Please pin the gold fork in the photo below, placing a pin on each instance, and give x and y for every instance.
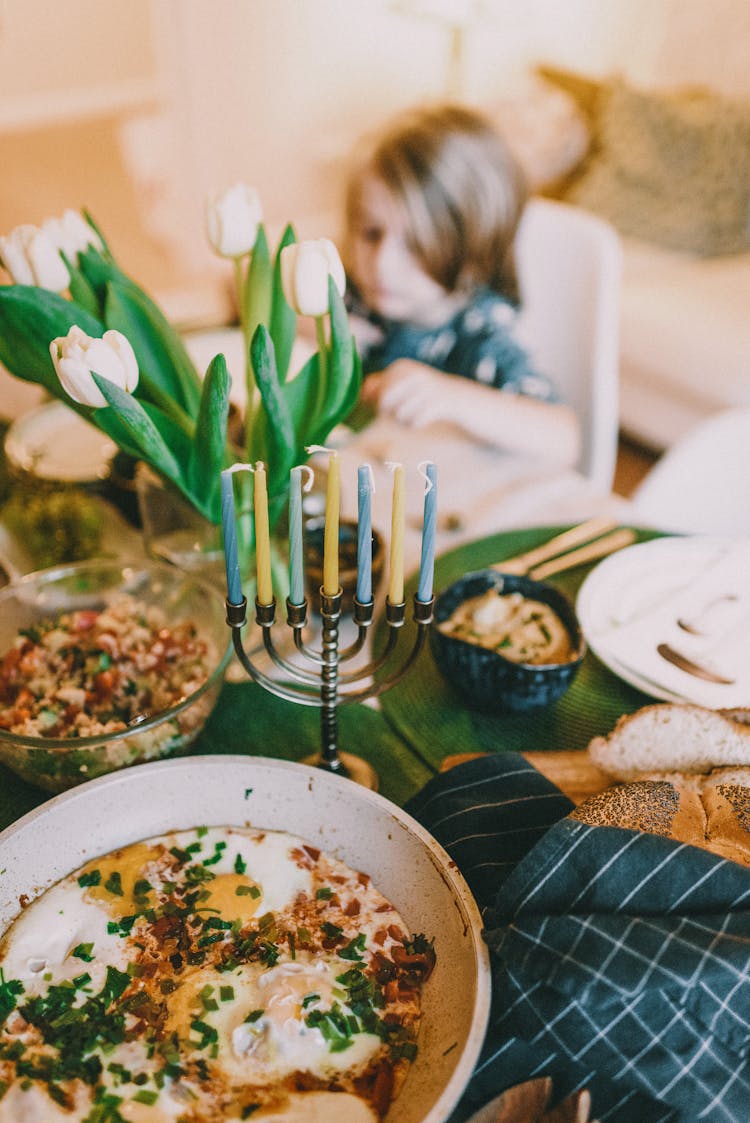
(576, 536)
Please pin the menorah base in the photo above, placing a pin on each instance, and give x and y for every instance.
(348, 765)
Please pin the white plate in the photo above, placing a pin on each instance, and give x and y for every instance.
(361, 828)
(634, 582)
(53, 442)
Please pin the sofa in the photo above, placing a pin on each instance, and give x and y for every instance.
(670, 169)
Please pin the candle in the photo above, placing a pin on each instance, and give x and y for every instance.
(229, 531)
(396, 575)
(296, 574)
(427, 562)
(331, 533)
(364, 535)
(262, 537)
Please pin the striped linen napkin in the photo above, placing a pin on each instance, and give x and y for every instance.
(621, 960)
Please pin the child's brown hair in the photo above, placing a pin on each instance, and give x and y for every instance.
(462, 193)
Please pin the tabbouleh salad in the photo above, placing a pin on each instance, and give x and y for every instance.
(92, 672)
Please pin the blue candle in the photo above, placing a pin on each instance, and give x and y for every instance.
(234, 581)
(364, 536)
(296, 571)
(427, 563)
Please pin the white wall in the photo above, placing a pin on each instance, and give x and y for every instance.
(275, 92)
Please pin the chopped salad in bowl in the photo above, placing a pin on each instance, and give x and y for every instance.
(104, 665)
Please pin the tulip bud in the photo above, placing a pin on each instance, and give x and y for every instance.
(305, 268)
(32, 258)
(232, 220)
(76, 356)
(72, 234)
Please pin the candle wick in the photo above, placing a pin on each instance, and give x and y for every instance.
(422, 469)
(309, 477)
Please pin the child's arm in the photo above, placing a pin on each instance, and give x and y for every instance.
(416, 394)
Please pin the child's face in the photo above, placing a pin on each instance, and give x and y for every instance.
(389, 277)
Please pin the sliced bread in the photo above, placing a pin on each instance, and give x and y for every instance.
(670, 737)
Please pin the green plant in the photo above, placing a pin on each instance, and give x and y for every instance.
(174, 419)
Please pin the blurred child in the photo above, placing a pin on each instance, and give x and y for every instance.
(431, 215)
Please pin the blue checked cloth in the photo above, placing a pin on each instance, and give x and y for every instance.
(620, 960)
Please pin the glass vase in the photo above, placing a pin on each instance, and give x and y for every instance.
(175, 532)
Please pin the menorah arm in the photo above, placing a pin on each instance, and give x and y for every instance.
(394, 614)
(289, 693)
(376, 688)
(375, 664)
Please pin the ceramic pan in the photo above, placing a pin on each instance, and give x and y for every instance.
(354, 824)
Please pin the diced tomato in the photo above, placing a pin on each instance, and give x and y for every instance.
(104, 683)
(84, 619)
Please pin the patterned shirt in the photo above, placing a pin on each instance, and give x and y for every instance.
(478, 343)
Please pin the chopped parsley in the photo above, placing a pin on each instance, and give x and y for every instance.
(94, 877)
(113, 884)
(83, 951)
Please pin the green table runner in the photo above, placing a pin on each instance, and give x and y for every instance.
(436, 720)
(249, 720)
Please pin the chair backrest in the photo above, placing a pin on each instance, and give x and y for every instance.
(701, 485)
(569, 266)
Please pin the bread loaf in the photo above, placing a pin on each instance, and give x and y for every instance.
(711, 811)
(671, 737)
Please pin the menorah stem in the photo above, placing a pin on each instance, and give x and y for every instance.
(330, 612)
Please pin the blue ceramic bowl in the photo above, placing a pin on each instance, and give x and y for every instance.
(486, 678)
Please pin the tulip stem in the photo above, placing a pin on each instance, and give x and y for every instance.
(243, 280)
(320, 331)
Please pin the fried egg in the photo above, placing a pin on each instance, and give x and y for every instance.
(213, 974)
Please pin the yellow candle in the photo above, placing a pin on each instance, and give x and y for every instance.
(331, 535)
(396, 575)
(262, 538)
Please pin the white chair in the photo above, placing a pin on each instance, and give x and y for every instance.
(569, 265)
(701, 485)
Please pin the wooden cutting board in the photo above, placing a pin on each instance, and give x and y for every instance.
(571, 771)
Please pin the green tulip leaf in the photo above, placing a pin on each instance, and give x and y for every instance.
(300, 395)
(208, 453)
(344, 380)
(142, 431)
(100, 269)
(95, 228)
(258, 285)
(283, 325)
(273, 429)
(30, 318)
(103, 273)
(127, 312)
(81, 291)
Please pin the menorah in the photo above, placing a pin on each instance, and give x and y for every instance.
(319, 680)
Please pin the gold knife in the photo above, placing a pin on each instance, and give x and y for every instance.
(599, 549)
(576, 536)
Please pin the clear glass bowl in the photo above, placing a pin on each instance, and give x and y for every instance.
(58, 763)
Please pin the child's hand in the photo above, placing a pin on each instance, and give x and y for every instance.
(414, 393)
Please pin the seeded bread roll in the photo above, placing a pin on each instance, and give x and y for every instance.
(673, 737)
(711, 811)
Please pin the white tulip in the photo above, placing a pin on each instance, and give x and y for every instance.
(32, 258)
(76, 356)
(305, 268)
(72, 234)
(232, 220)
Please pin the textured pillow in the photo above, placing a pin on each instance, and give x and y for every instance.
(671, 168)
